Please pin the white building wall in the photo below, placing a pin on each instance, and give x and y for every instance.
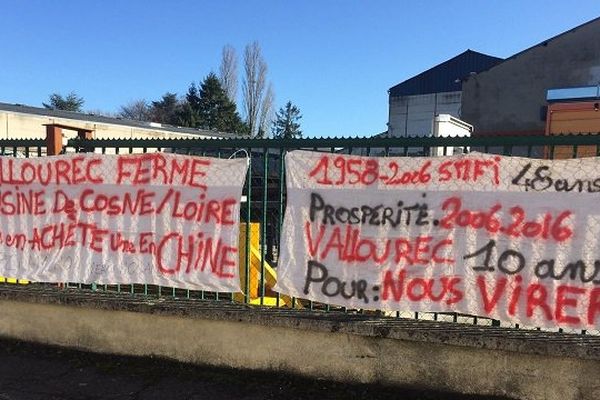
(14, 125)
(413, 115)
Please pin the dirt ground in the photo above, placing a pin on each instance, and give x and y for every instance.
(31, 372)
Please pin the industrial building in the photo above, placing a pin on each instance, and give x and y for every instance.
(504, 97)
(510, 97)
(19, 121)
(414, 103)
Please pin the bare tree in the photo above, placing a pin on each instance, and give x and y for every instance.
(228, 72)
(138, 110)
(253, 85)
(266, 112)
(101, 113)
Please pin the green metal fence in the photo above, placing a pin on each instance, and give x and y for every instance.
(264, 189)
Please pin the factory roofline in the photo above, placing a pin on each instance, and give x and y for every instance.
(100, 119)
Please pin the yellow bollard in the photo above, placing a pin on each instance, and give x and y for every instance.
(254, 272)
(254, 268)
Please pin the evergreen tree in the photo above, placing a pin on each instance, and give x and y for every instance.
(189, 111)
(70, 103)
(215, 110)
(286, 125)
(166, 110)
(193, 97)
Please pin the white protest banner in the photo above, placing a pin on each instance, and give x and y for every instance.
(508, 238)
(158, 218)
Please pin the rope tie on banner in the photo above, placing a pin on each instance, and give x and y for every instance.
(240, 151)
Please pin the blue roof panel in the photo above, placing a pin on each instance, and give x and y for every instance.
(447, 76)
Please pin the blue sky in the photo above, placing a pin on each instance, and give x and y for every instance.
(334, 59)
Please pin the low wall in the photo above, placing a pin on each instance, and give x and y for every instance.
(357, 348)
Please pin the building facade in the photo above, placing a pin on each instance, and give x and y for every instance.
(414, 103)
(25, 122)
(510, 97)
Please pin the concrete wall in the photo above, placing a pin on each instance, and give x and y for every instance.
(318, 345)
(413, 115)
(509, 97)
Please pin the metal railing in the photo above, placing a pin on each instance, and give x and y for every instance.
(264, 190)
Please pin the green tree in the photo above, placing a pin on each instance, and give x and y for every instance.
(71, 102)
(189, 114)
(286, 125)
(166, 110)
(210, 108)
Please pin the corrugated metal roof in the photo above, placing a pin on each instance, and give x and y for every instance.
(92, 118)
(447, 76)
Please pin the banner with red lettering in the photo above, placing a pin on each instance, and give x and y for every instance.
(157, 218)
(509, 238)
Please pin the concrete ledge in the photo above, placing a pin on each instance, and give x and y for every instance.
(356, 348)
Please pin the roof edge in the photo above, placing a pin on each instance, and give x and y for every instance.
(444, 62)
(543, 43)
(100, 119)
